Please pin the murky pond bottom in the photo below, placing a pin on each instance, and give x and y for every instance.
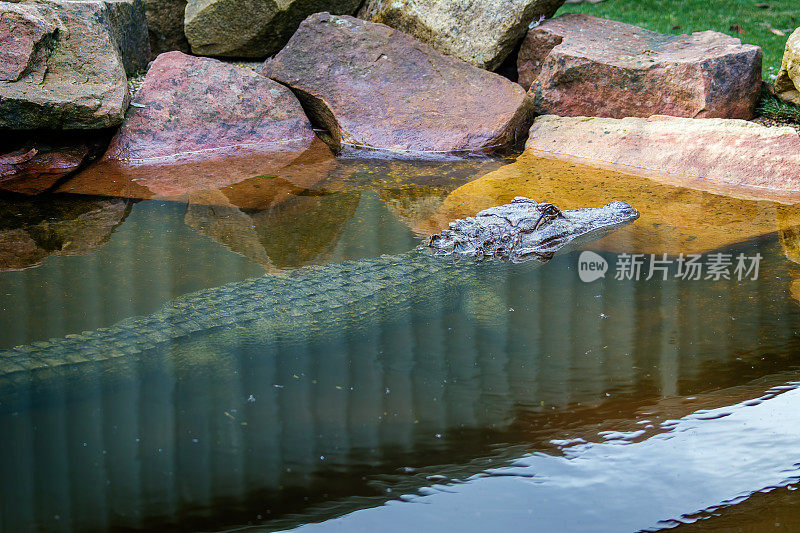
(349, 388)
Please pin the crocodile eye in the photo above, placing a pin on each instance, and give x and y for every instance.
(551, 210)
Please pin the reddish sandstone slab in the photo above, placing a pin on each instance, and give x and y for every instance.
(733, 157)
(579, 65)
(375, 87)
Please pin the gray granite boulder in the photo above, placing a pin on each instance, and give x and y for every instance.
(481, 33)
(374, 87)
(165, 25)
(65, 62)
(251, 28)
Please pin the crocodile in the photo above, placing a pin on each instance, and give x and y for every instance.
(318, 299)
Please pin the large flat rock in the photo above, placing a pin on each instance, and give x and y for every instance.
(250, 28)
(480, 33)
(733, 157)
(374, 87)
(579, 65)
(65, 62)
(787, 84)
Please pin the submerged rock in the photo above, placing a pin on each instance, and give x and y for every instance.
(787, 84)
(733, 157)
(37, 163)
(165, 25)
(480, 33)
(246, 28)
(579, 65)
(674, 219)
(200, 124)
(375, 87)
(64, 62)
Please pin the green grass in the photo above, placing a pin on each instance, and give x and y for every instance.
(777, 109)
(719, 15)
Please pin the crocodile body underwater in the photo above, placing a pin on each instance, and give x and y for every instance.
(309, 301)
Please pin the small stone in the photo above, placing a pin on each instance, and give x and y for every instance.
(38, 163)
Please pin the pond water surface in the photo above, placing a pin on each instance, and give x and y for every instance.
(365, 397)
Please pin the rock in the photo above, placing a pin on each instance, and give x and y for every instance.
(579, 65)
(127, 23)
(85, 48)
(33, 230)
(35, 164)
(375, 87)
(25, 39)
(195, 113)
(165, 25)
(674, 219)
(733, 157)
(480, 33)
(250, 28)
(200, 124)
(787, 84)
(195, 108)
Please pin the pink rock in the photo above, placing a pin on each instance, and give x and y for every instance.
(375, 87)
(199, 124)
(733, 157)
(579, 65)
(24, 37)
(194, 108)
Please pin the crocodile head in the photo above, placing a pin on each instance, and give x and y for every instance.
(525, 229)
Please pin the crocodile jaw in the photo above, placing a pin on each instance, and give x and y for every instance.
(507, 232)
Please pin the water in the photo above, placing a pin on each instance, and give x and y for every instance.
(483, 396)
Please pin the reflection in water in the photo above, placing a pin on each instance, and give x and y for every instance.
(472, 368)
(223, 425)
(703, 461)
(674, 219)
(239, 177)
(32, 230)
